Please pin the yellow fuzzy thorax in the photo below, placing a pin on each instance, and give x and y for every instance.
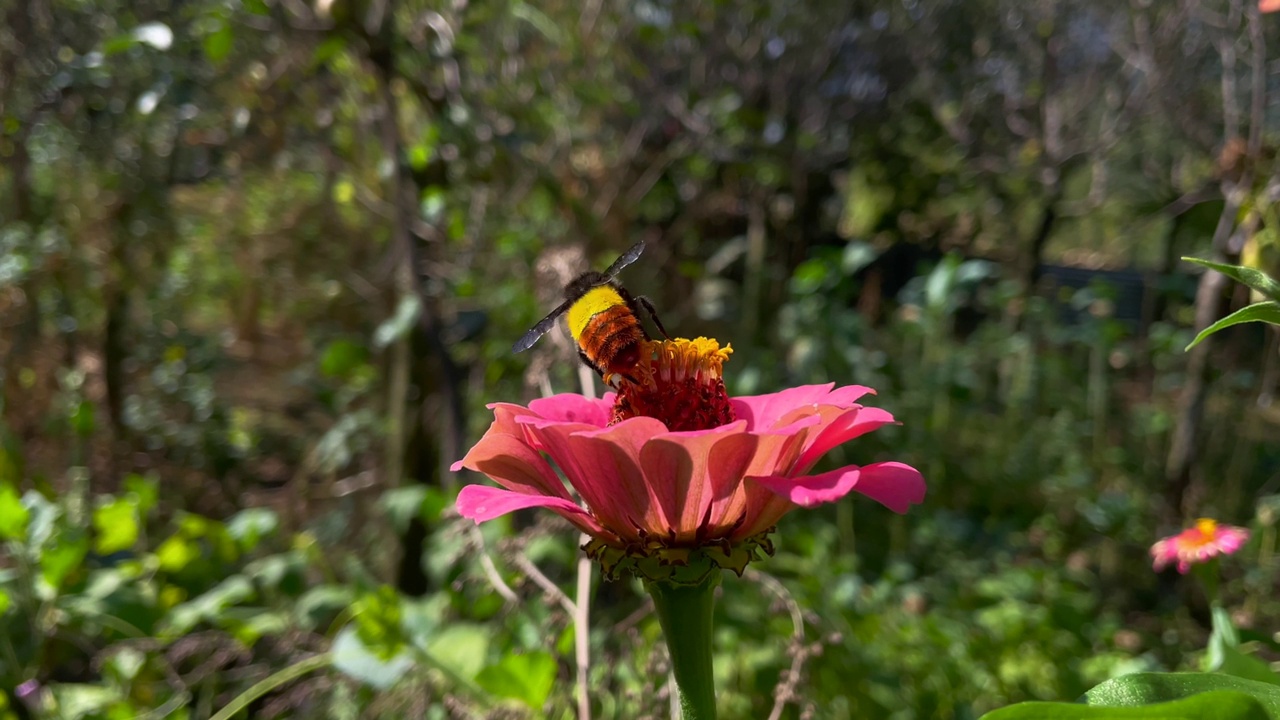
(596, 300)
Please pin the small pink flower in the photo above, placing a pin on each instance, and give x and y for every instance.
(719, 484)
(1198, 544)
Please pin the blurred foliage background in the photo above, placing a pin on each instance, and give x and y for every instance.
(262, 263)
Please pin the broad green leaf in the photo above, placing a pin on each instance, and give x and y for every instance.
(177, 552)
(82, 418)
(403, 504)
(207, 607)
(1219, 705)
(353, 658)
(61, 557)
(527, 678)
(1254, 278)
(1225, 656)
(1147, 688)
(321, 604)
(249, 526)
(341, 357)
(43, 518)
(378, 621)
(248, 624)
(217, 45)
(434, 503)
(422, 616)
(78, 701)
(116, 525)
(147, 490)
(126, 663)
(257, 7)
(13, 515)
(460, 648)
(1268, 312)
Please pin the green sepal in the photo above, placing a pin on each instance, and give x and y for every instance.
(652, 559)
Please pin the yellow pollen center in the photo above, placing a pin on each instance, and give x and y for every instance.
(1208, 530)
(678, 382)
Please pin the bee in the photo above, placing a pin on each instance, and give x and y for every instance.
(603, 320)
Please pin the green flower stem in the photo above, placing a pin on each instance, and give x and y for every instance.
(1207, 573)
(685, 614)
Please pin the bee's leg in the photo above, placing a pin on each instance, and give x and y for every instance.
(643, 302)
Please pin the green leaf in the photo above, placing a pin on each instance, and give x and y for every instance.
(1268, 312)
(340, 358)
(81, 418)
(146, 490)
(395, 327)
(13, 514)
(177, 552)
(249, 526)
(217, 45)
(321, 604)
(353, 658)
(527, 678)
(403, 504)
(207, 607)
(116, 523)
(1147, 688)
(460, 648)
(250, 624)
(1252, 277)
(66, 553)
(332, 47)
(1219, 705)
(1225, 655)
(257, 7)
(77, 701)
(126, 663)
(377, 621)
(434, 503)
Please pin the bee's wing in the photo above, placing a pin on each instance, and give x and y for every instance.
(627, 258)
(537, 331)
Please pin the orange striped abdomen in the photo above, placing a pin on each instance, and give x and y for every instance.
(611, 339)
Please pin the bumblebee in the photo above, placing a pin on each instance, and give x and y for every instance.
(603, 320)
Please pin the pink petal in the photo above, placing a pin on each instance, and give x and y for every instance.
(753, 508)
(573, 408)
(610, 459)
(895, 485)
(892, 484)
(847, 395)
(679, 468)
(730, 461)
(482, 503)
(602, 464)
(847, 425)
(762, 412)
(515, 465)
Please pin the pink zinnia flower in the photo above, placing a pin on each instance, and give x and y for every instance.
(1198, 544)
(671, 464)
